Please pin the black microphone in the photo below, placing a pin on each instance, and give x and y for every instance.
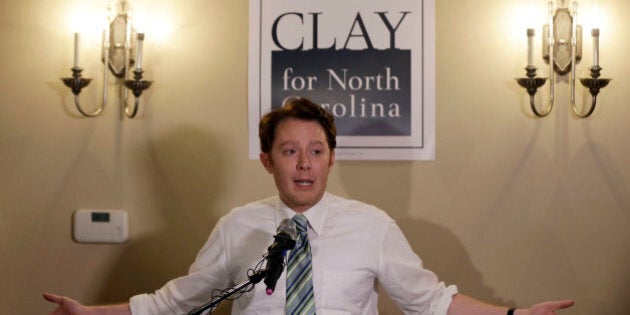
(284, 240)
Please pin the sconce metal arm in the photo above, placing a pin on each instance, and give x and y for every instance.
(137, 85)
(594, 84)
(532, 83)
(76, 83)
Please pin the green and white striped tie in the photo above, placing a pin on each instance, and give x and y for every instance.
(300, 297)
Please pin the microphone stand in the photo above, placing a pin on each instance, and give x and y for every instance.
(253, 279)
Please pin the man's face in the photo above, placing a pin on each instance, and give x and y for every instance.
(299, 161)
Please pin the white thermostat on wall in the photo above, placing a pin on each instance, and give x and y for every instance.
(100, 226)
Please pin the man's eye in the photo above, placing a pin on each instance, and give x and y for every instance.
(289, 152)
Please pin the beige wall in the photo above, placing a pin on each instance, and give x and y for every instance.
(513, 210)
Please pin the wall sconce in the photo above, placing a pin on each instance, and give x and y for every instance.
(562, 48)
(117, 50)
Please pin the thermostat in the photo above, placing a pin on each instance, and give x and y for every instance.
(100, 226)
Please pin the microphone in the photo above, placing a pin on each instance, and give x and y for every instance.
(284, 240)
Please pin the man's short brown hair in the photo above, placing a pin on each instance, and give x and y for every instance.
(299, 108)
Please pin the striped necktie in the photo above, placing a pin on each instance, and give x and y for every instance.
(300, 297)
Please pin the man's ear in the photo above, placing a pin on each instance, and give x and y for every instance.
(265, 160)
(331, 163)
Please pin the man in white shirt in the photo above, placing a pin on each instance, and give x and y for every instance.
(355, 247)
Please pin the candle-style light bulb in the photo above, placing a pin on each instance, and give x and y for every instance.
(530, 14)
(595, 33)
(530, 31)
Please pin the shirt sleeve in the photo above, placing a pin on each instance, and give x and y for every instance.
(182, 294)
(414, 289)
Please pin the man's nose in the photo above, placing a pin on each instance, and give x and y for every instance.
(304, 163)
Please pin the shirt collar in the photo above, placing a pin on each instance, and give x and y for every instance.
(316, 215)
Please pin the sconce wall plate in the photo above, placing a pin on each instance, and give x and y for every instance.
(119, 34)
(562, 33)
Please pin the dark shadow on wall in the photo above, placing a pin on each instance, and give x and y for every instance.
(433, 243)
(186, 175)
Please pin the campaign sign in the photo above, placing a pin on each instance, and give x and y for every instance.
(369, 63)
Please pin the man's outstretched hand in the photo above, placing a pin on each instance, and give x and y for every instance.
(67, 306)
(549, 308)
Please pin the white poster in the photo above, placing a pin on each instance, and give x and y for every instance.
(369, 63)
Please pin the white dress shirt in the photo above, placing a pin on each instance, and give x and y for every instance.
(355, 246)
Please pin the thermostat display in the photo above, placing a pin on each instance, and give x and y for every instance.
(100, 216)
